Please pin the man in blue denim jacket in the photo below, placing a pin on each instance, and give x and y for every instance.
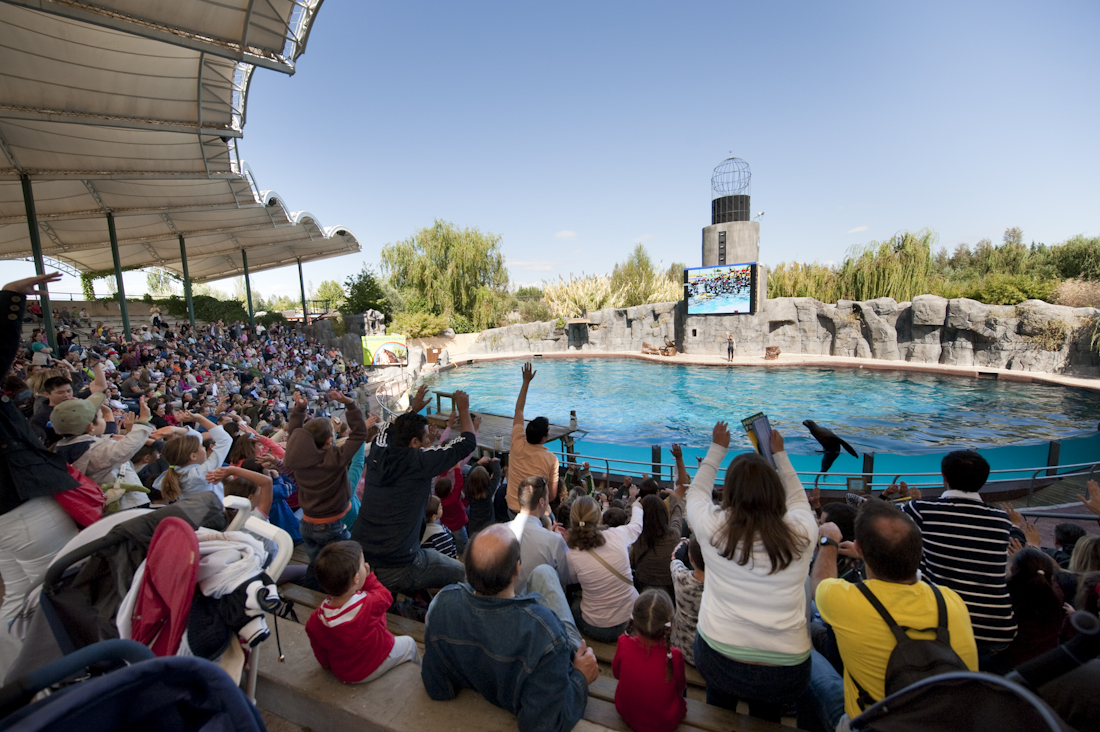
(516, 651)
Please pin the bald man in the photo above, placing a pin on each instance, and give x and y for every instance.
(522, 653)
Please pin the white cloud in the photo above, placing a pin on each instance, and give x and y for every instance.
(856, 230)
(532, 265)
(643, 238)
(566, 234)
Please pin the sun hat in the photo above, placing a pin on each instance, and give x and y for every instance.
(72, 417)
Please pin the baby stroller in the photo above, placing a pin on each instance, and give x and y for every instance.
(980, 702)
(176, 694)
(140, 578)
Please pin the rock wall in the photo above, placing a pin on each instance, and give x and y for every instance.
(1031, 336)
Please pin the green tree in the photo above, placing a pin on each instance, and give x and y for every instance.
(366, 291)
(447, 271)
(637, 281)
(159, 283)
(332, 291)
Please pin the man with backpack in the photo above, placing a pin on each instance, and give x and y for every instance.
(933, 636)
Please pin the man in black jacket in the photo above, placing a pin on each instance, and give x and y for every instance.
(33, 527)
(399, 471)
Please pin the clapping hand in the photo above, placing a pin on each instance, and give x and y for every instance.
(777, 441)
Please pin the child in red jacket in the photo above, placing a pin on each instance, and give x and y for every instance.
(650, 694)
(348, 631)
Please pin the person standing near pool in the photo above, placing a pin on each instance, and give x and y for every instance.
(528, 455)
(730, 345)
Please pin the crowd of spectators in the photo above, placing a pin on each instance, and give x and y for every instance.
(781, 604)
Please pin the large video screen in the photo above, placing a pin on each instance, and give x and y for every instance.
(727, 289)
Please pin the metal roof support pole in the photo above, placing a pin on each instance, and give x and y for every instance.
(39, 264)
(248, 290)
(118, 278)
(302, 284)
(187, 284)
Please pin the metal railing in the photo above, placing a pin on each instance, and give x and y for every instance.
(657, 470)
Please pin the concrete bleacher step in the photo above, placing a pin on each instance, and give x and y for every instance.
(605, 652)
(301, 692)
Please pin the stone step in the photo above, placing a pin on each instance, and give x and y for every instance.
(605, 652)
(302, 693)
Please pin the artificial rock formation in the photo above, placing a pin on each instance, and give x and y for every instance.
(1031, 336)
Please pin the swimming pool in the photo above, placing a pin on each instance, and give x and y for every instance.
(629, 402)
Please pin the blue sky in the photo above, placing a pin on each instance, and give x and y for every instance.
(574, 130)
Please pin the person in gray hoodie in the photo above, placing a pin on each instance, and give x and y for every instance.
(188, 462)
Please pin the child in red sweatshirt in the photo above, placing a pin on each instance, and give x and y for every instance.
(348, 631)
(650, 694)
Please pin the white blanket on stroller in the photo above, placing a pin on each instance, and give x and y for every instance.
(227, 560)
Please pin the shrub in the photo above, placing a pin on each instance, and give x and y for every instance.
(1078, 293)
(270, 318)
(534, 311)
(418, 324)
(1002, 289)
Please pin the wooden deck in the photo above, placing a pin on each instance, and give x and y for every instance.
(498, 425)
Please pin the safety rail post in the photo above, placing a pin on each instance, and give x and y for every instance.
(1054, 452)
(868, 471)
(655, 453)
(187, 284)
(119, 286)
(39, 263)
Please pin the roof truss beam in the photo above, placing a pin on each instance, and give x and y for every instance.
(129, 123)
(96, 213)
(127, 24)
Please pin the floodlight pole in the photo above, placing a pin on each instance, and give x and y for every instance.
(248, 290)
(302, 284)
(39, 265)
(187, 283)
(121, 294)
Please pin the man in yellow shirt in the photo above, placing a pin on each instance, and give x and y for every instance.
(890, 544)
(528, 456)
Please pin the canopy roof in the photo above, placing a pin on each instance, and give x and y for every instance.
(134, 108)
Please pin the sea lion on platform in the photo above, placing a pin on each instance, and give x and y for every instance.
(830, 442)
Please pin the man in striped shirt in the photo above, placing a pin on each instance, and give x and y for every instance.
(966, 549)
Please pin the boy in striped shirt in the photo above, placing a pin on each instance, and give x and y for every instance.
(966, 549)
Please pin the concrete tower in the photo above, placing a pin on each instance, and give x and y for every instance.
(732, 237)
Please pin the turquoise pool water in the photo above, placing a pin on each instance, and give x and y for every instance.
(633, 403)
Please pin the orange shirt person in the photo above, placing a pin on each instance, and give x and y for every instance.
(528, 454)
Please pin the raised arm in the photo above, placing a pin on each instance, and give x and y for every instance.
(521, 400)
(683, 480)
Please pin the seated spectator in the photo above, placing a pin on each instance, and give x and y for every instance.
(599, 559)
(33, 526)
(752, 642)
(539, 546)
(189, 460)
(437, 536)
(320, 469)
(82, 425)
(396, 489)
(688, 585)
(56, 389)
(659, 538)
(650, 693)
(1066, 535)
(448, 488)
(1086, 555)
(515, 650)
(969, 548)
(1038, 606)
(481, 490)
(613, 517)
(529, 456)
(891, 546)
(348, 630)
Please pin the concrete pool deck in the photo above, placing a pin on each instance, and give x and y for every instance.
(796, 359)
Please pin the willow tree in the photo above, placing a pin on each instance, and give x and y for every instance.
(447, 271)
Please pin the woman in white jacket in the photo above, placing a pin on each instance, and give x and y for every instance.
(751, 642)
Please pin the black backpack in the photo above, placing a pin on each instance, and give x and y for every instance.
(913, 659)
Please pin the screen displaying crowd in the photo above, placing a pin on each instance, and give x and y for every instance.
(521, 570)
